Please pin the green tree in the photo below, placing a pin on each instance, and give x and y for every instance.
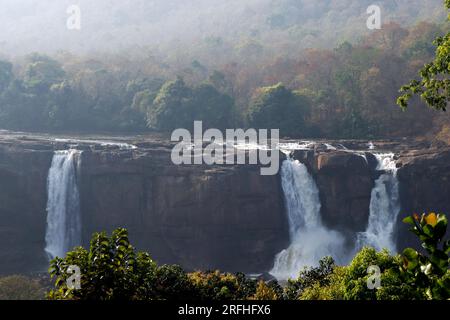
(429, 271)
(107, 269)
(409, 276)
(332, 290)
(42, 72)
(212, 107)
(178, 106)
(265, 292)
(214, 285)
(434, 83)
(277, 107)
(310, 277)
(112, 270)
(356, 276)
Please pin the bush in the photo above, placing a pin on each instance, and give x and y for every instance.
(213, 285)
(266, 292)
(356, 276)
(170, 282)
(396, 286)
(110, 270)
(333, 291)
(310, 277)
(430, 271)
(411, 275)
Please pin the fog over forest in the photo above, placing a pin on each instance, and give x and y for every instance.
(107, 74)
(197, 27)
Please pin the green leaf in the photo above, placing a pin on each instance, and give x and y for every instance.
(409, 220)
(411, 258)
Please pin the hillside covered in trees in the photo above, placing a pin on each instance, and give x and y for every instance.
(312, 69)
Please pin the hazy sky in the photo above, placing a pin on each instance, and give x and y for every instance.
(40, 25)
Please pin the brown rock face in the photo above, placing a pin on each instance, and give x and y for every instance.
(202, 217)
(345, 181)
(227, 217)
(424, 187)
(23, 197)
(205, 217)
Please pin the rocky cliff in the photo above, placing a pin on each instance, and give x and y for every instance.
(345, 180)
(208, 217)
(425, 186)
(227, 217)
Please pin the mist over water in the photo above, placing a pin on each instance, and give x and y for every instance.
(384, 208)
(63, 205)
(310, 240)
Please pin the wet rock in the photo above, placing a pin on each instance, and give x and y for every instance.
(345, 184)
(424, 177)
(226, 217)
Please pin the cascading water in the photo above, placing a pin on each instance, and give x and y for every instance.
(384, 207)
(63, 204)
(310, 240)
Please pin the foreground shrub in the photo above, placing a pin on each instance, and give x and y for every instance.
(213, 285)
(356, 277)
(267, 291)
(411, 275)
(111, 270)
(430, 271)
(334, 290)
(20, 288)
(310, 277)
(394, 284)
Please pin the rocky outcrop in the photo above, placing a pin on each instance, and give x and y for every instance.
(202, 217)
(345, 181)
(227, 217)
(424, 177)
(23, 196)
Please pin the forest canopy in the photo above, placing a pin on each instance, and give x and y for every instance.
(265, 80)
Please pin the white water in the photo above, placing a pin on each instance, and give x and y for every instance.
(310, 240)
(63, 204)
(103, 143)
(384, 208)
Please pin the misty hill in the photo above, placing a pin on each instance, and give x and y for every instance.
(198, 28)
(311, 68)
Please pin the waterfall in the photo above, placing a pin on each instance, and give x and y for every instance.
(63, 204)
(384, 208)
(310, 240)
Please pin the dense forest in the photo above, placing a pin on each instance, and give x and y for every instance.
(344, 91)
